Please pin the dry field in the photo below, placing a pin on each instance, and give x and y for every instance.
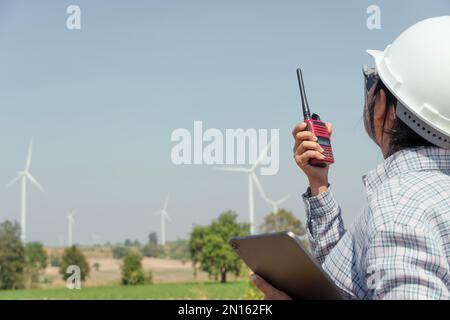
(164, 270)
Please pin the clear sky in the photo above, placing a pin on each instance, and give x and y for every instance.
(102, 102)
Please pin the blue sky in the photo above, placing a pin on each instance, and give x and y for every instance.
(102, 102)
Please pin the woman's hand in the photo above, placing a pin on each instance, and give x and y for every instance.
(305, 149)
(270, 293)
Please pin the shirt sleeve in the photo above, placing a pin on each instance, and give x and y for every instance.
(324, 223)
(406, 263)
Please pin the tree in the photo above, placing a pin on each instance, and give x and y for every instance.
(178, 249)
(96, 266)
(55, 261)
(136, 243)
(36, 260)
(73, 256)
(209, 246)
(153, 238)
(196, 242)
(282, 221)
(132, 270)
(152, 250)
(119, 252)
(12, 256)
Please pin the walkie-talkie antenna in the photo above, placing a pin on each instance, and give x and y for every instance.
(305, 105)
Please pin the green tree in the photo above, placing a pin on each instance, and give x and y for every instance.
(36, 260)
(209, 246)
(55, 261)
(119, 252)
(282, 221)
(196, 242)
(96, 266)
(153, 238)
(12, 256)
(132, 270)
(178, 249)
(152, 250)
(136, 243)
(73, 256)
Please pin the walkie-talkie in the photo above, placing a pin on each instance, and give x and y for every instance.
(316, 126)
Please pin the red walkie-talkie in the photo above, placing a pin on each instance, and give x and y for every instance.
(316, 126)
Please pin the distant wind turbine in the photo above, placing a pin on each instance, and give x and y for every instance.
(252, 177)
(164, 216)
(24, 176)
(274, 205)
(70, 222)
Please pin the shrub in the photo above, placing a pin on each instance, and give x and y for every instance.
(36, 261)
(73, 256)
(132, 271)
(55, 261)
(12, 256)
(149, 279)
(152, 250)
(96, 266)
(119, 252)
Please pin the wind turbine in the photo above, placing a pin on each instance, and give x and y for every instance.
(24, 176)
(70, 222)
(273, 204)
(164, 216)
(252, 177)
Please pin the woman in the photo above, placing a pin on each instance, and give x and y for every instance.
(399, 247)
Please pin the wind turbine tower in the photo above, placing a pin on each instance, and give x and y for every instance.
(164, 216)
(252, 177)
(25, 176)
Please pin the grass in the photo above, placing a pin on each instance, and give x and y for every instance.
(199, 290)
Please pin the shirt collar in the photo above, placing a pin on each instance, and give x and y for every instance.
(411, 159)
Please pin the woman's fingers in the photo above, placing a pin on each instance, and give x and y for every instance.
(304, 158)
(299, 127)
(329, 127)
(270, 293)
(302, 127)
(308, 145)
(300, 135)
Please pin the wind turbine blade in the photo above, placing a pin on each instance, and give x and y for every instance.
(33, 181)
(283, 199)
(14, 180)
(262, 155)
(167, 216)
(166, 202)
(30, 152)
(239, 169)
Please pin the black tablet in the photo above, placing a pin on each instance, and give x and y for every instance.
(281, 260)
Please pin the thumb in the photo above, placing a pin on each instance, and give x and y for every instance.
(329, 127)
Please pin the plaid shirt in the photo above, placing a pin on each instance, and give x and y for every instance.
(399, 247)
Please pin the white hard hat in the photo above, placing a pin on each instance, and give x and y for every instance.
(416, 69)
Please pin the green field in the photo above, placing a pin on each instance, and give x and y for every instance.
(201, 290)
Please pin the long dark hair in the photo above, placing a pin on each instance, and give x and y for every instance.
(401, 135)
